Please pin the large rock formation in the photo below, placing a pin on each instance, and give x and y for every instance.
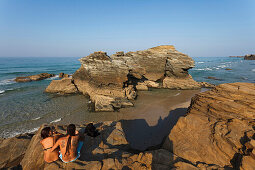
(112, 81)
(219, 128)
(37, 77)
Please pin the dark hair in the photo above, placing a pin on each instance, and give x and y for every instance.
(71, 132)
(45, 132)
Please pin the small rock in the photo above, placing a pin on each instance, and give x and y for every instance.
(34, 77)
(64, 85)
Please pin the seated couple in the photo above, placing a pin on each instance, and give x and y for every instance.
(66, 147)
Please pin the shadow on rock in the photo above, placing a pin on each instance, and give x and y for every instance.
(141, 136)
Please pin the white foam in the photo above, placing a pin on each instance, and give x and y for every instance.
(253, 70)
(199, 69)
(13, 134)
(2, 91)
(177, 94)
(57, 120)
(206, 69)
(53, 78)
(36, 118)
(222, 66)
(7, 81)
(200, 62)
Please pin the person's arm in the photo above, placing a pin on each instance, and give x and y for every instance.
(55, 146)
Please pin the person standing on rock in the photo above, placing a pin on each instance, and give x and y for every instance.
(49, 139)
(70, 145)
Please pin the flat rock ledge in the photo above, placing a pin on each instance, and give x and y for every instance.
(112, 81)
(37, 77)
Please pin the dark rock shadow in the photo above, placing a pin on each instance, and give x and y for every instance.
(141, 136)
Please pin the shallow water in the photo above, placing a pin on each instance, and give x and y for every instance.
(25, 106)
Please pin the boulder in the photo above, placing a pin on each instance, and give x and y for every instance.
(249, 57)
(64, 85)
(63, 75)
(151, 84)
(34, 77)
(218, 124)
(142, 87)
(12, 150)
(180, 83)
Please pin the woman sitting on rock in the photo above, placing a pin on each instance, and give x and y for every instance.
(70, 145)
(49, 139)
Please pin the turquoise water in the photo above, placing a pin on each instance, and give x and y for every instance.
(25, 106)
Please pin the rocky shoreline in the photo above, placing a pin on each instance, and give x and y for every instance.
(217, 132)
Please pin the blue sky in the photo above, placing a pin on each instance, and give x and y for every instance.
(61, 28)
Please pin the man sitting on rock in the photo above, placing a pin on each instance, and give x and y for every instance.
(70, 145)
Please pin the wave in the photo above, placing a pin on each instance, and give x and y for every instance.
(222, 66)
(3, 91)
(13, 134)
(177, 94)
(253, 70)
(57, 120)
(36, 118)
(53, 78)
(7, 81)
(200, 62)
(206, 69)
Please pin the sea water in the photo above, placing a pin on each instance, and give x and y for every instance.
(25, 106)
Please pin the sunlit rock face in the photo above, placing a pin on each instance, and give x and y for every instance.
(112, 81)
(218, 128)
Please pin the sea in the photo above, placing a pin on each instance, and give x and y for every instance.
(25, 106)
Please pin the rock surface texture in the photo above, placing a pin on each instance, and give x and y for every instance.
(12, 150)
(34, 77)
(64, 85)
(112, 81)
(219, 128)
(109, 150)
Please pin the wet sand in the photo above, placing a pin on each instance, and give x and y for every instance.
(150, 120)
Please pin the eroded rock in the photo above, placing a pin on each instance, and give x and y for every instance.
(217, 126)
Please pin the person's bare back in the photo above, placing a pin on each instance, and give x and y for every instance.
(68, 154)
(69, 145)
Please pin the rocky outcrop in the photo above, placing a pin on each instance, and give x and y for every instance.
(249, 57)
(64, 86)
(63, 75)
(12, 150)
(34, 77)
(218, 128)
(109, 150)
(112, 80)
